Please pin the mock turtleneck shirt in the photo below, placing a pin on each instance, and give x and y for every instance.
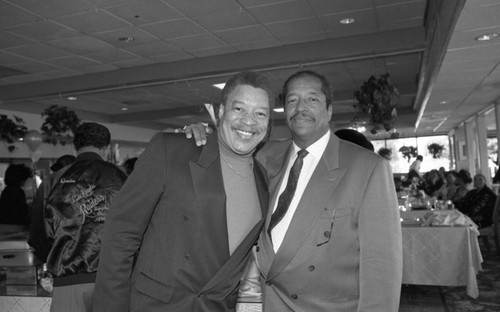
(242, 204)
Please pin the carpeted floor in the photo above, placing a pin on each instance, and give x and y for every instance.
(456, 300)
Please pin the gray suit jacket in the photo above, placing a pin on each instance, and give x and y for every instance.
(342, 251)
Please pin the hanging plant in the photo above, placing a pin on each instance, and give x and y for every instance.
(11, 130)
(436, 150)
(378, 98)
(59, 125)
(408, 152)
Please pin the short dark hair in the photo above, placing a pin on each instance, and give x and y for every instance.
(355, 137)
(420, 157)
(250, 78)
(91, 134)
(17, 174)
(326, 87)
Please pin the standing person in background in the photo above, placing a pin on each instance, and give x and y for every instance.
(415, 166)
(38, 237)
(332, 238)
(75, 213)
(14, 209)
(184, 224)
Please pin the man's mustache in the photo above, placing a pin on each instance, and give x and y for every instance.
(303, 114)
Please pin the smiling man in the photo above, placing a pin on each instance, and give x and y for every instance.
(182, 228)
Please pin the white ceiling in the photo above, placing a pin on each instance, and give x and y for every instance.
(55, 48)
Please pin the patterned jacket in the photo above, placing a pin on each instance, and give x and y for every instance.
(75, 213)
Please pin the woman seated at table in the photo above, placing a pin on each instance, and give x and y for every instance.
(478, 204)
(463, 181)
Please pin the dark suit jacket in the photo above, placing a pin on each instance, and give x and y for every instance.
(342, 251)
(170, 217)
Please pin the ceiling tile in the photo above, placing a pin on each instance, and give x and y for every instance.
(81, 44)
(172, 57)
(43, 31)
(174, 29)
(12, 40)
(336, 7)
(465, 39)
(256, 45)
(295, 28)
(401, 24)
(132, 63)
(244, 34)
(13, 15)
(112, 3)
(401, 11)
(225, 20)
(212, 51)
(8, 59)
(365, 22)
(55, 8)
(282, 12)
(150, 49)
(480, 17)
(39, 51)
(471, 54)
(111, 55)
(72, 62)
(193, 8)
(147, 12)
(62, 73)
(197, 42)
(92, 22)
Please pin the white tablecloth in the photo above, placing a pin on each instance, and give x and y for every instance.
(443, 256)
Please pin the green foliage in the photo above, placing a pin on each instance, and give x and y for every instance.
(59, 122)
(409, 152)
(379, 98)
(385, 152)
(436, 150)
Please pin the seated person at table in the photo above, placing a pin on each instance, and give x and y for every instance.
(463, 181)
(451, 184)
(478, 204)
(433, 184)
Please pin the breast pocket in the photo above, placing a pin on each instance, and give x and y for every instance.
(328, 221)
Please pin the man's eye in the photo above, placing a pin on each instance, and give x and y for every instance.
(238, 109)
(313, 99)
(288, 101)
(262, 114)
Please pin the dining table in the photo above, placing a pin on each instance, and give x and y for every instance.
(440, 254)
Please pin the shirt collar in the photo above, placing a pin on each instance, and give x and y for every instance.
(317, 148)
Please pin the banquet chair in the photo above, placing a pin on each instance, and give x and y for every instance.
(492, 231)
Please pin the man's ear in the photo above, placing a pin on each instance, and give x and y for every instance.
(221, 110)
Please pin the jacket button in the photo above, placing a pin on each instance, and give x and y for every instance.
(187, 256)
(294, 296)
(268, 283)
(327, 234)
(184, 218)
(257, 249)
(311, 268)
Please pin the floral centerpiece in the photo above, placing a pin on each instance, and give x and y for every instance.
(379, 98)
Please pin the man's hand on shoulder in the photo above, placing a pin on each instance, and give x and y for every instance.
(199, 132)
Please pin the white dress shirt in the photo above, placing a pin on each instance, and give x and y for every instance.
(310, 162)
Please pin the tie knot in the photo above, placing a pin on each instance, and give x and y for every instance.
(302, 153)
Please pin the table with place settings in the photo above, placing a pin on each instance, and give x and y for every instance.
(440, 255)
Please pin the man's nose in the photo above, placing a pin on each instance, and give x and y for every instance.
(248, 119)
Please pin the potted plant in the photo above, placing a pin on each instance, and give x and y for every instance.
(379, 98)
(436, 150)
(385, 152)
(11, 130)
(59, 122)
(408, 152)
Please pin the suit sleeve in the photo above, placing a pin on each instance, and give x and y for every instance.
(381, 262)
(124, 228)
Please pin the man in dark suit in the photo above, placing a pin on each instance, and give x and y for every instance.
(337, 244)
(183, 226)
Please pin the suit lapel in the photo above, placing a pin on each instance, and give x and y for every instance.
(318, 192)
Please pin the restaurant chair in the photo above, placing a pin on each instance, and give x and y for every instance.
(492, 231)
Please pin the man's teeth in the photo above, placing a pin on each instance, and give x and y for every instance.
(245, 133)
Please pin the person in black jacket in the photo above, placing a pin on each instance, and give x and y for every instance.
(75, 213)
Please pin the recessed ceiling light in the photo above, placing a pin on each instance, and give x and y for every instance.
(487, 37)
(443, 102)
(126, 39)
(219, 85)
(71, 98)
(279, 109)
(124, 108)
(347, 21)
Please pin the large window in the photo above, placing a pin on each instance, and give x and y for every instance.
(400, 164)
